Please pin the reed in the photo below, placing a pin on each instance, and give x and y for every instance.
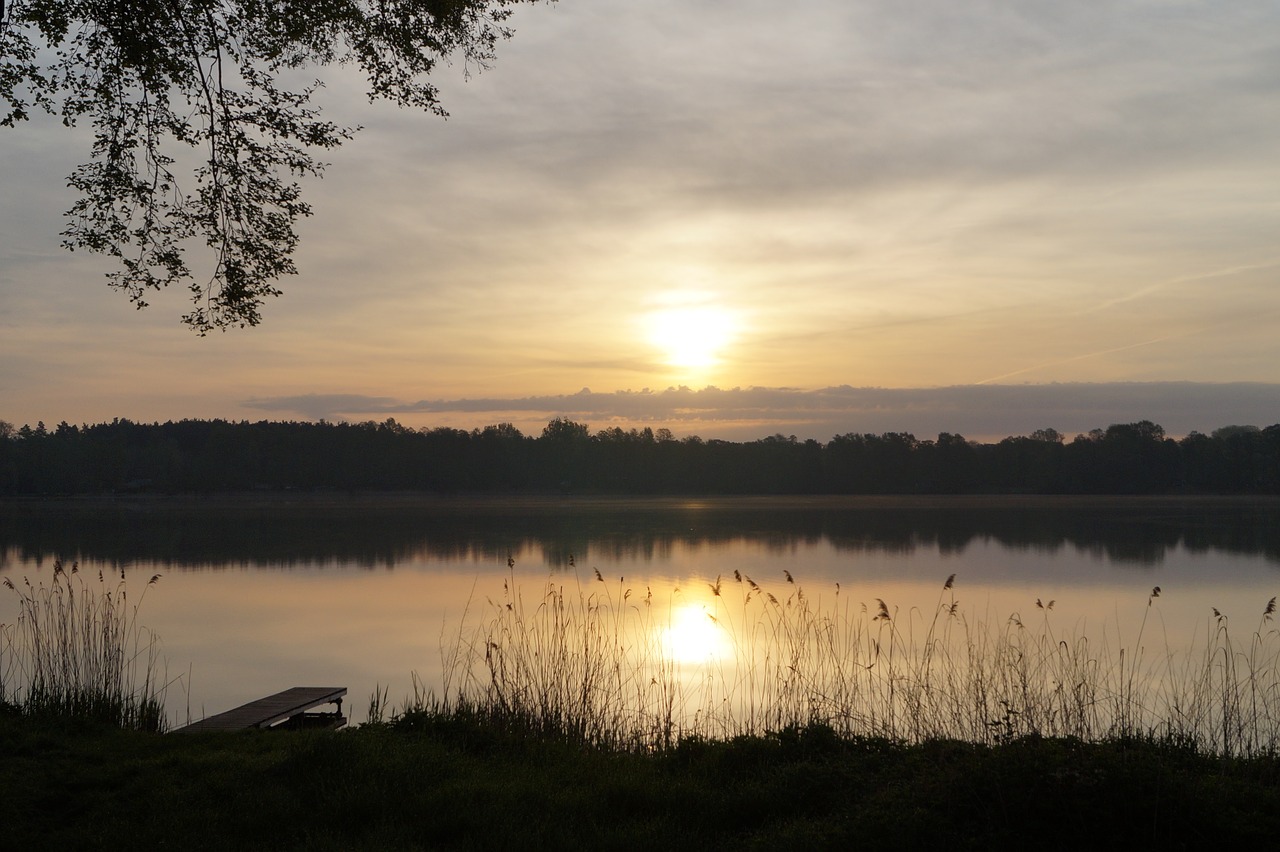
(77, 650)
(575, 663)
(588, 662)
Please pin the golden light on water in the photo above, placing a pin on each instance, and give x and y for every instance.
(694, 636)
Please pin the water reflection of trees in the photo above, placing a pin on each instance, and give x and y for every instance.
(369, 535)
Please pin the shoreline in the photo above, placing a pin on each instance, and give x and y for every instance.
(607, 502)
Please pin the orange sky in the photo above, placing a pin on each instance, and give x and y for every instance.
(909, 196)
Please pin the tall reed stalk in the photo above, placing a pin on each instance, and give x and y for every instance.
(76, 649)
(588, 662)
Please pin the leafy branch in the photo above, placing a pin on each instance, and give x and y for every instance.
(198, 141)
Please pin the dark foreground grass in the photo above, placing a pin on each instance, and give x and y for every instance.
(430, 782)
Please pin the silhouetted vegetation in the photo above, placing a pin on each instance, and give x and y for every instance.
(933, 730)
(600, 664)
(454, 783)
(76, 651)
(205, 456)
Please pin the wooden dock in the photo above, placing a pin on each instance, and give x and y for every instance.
(285, 709)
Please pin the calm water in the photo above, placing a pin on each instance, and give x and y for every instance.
(259, 595)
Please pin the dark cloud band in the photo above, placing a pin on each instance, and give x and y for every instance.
(979, 411)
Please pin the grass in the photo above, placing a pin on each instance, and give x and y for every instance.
(566, 721)
(596, 664)
(458, 783)
(77, 650)
(590, 664)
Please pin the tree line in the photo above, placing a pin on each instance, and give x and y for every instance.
(202, 456)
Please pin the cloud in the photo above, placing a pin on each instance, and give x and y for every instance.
(980, 412)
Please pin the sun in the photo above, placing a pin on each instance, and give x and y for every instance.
(694, 636)
(690, 336)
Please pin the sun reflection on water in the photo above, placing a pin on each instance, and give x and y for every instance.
(239, 634)
(695, 636)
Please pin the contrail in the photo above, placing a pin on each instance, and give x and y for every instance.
(1087, 355)
(1183, 279)
(1137, 294)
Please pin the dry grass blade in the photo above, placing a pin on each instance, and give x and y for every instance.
(594, 668)
(76, 650)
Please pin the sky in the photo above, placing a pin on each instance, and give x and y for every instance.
(735, 220)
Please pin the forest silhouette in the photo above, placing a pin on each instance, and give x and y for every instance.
(218, 456)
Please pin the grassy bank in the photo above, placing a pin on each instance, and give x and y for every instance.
(564, 722)
(431, 782)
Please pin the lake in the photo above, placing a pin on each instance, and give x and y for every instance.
(261, 593)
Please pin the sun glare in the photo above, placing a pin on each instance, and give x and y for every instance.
(690, 336)
(694, 636)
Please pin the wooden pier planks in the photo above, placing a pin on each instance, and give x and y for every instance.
(270, 710)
